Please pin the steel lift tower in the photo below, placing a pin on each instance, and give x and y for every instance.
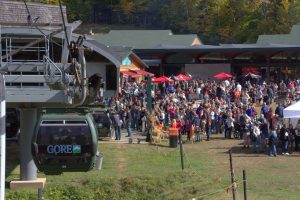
(40, 67)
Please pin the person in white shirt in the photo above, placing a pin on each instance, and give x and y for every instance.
(213, 122)
(259, 96)
(256, 138)
(198, 90)
(162, 117)
(229, 126)
(239, 87)
(227, 83)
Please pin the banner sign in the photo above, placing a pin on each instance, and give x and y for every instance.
(252, 70)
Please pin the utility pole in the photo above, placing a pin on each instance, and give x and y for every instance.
(181, 151)
(148, 94)
(245, 184)
(2, 136)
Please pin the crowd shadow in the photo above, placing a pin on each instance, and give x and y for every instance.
(160, 145)
(240, 151)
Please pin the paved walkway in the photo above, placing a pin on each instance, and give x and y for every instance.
(124, 139)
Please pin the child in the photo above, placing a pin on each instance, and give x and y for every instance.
(192, 133)
(174, 124)
(197, 123)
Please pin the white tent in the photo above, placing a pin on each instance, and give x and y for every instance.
(293, 111)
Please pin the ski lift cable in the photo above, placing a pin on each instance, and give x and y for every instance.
(33, 23)
(29, 16)
(64, 23)
(33, 42)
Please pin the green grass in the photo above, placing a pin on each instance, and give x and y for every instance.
(154, 172)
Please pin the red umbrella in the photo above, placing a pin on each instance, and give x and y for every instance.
(152, 80)
(162, 79)
(222, 76)
(183, 77)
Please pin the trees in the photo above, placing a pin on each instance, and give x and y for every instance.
(220, 21)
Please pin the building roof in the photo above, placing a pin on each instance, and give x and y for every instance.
(123, 52)
(144, 38)
(295, 29)
(227, 50)
(115, 54)
(15, 13)
(223, 47)
(286, 39)
(114, 57)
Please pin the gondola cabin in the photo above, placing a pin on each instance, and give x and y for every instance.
(65, 140)
(103, 122)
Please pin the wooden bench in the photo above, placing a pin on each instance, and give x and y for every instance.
(38, 183)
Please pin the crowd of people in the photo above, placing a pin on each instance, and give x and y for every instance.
(243, 109)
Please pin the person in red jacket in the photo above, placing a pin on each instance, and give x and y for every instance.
(178, 124)
(174, 123)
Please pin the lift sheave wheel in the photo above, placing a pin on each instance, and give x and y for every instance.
(65, 140)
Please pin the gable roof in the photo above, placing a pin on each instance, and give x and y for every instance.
(115, 54)
(295, 29)
(143, 38)
(124, 52)
(287, 39)
(228, 51)
(15, 13)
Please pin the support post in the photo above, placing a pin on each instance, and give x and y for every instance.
(28, 117)
(118, 80)
(40, 194)
(245, 184)
(232, 176)
(2, 136)
(181, 151)
(1, 50)
(268, 70)
(148, 96)
(161, 70)
(65, 50)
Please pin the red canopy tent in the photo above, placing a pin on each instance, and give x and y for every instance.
(162, 79)
(152, 80)
(142, 72)
(183, 77)
(222, 76)
(128, 73)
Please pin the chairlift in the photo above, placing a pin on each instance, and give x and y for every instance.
(65, 140)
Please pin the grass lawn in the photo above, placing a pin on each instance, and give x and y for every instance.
(142, 171)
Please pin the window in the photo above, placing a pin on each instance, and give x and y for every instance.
(111, 77)
(64, 134)
(100, 117)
